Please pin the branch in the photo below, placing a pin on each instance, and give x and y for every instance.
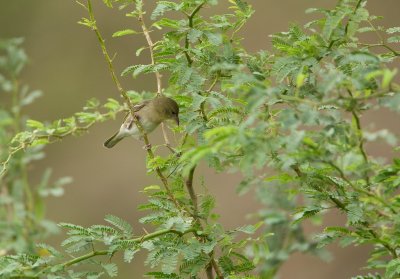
(190, 18)
(361, 190)
(395, 52)
(107, 252)
(128, 102)
(51, 137)
(365, 224)
(157, 73)
(354, 12)
(359, 133)
(203, 103)
(123, 93)
(193, 197)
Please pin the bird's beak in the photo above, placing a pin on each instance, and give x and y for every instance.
(176, 118)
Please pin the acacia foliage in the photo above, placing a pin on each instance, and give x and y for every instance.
(295, 110)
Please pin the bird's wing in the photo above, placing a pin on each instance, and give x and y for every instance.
(128, 120)
(141, 105)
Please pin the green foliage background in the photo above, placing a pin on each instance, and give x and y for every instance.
(312, 165)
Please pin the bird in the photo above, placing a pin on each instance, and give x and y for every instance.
(150, 113)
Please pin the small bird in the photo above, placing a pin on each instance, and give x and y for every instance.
(150, 114)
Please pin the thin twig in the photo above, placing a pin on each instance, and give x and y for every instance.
(190, 23)
(395, 52)
(193, 197)
(354, 12)
(359, 133)
(339, 204)
(203, 103)
(129, 103)
(189, 181)
(157, 73)
(360, 190)
(189, 187)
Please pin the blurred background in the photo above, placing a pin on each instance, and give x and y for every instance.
(67, 64)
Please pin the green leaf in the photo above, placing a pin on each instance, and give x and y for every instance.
(306, 213)
(108, 3)
(394, 39)
(194, 35)
(393, 269)
(111, 269)
(354, 213)
(250, 229)
(164, 6)
(34, 124)
(214, 38)
(128, 254)
(121, 224)
(393, 30)
(340, 230)
(124, 33)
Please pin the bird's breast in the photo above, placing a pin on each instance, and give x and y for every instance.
(148, 125)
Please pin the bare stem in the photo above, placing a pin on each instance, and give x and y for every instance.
(209, 271)
(192, 194)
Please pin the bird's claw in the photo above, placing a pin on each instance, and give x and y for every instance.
(170, 148)
(147, 147)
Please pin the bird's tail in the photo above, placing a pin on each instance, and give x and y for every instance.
(116, 138)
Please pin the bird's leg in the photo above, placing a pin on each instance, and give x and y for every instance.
(165, 134)
(171, 149)
(167, 143)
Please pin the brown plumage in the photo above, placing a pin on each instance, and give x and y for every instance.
(150, 113)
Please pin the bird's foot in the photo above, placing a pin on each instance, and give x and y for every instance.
(147, 147)
(171, 149)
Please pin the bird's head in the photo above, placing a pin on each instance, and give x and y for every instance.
(168, 108)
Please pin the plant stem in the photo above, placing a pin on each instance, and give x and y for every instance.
(128, 102)
(107, 252)
(193, 197)
(360, 190)
(189, 186)
(28, 199)
(209, 271)
(354, 12)
(395, 52)
(157, 73)
(359, 134)
(366, 225)
(190, 23)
